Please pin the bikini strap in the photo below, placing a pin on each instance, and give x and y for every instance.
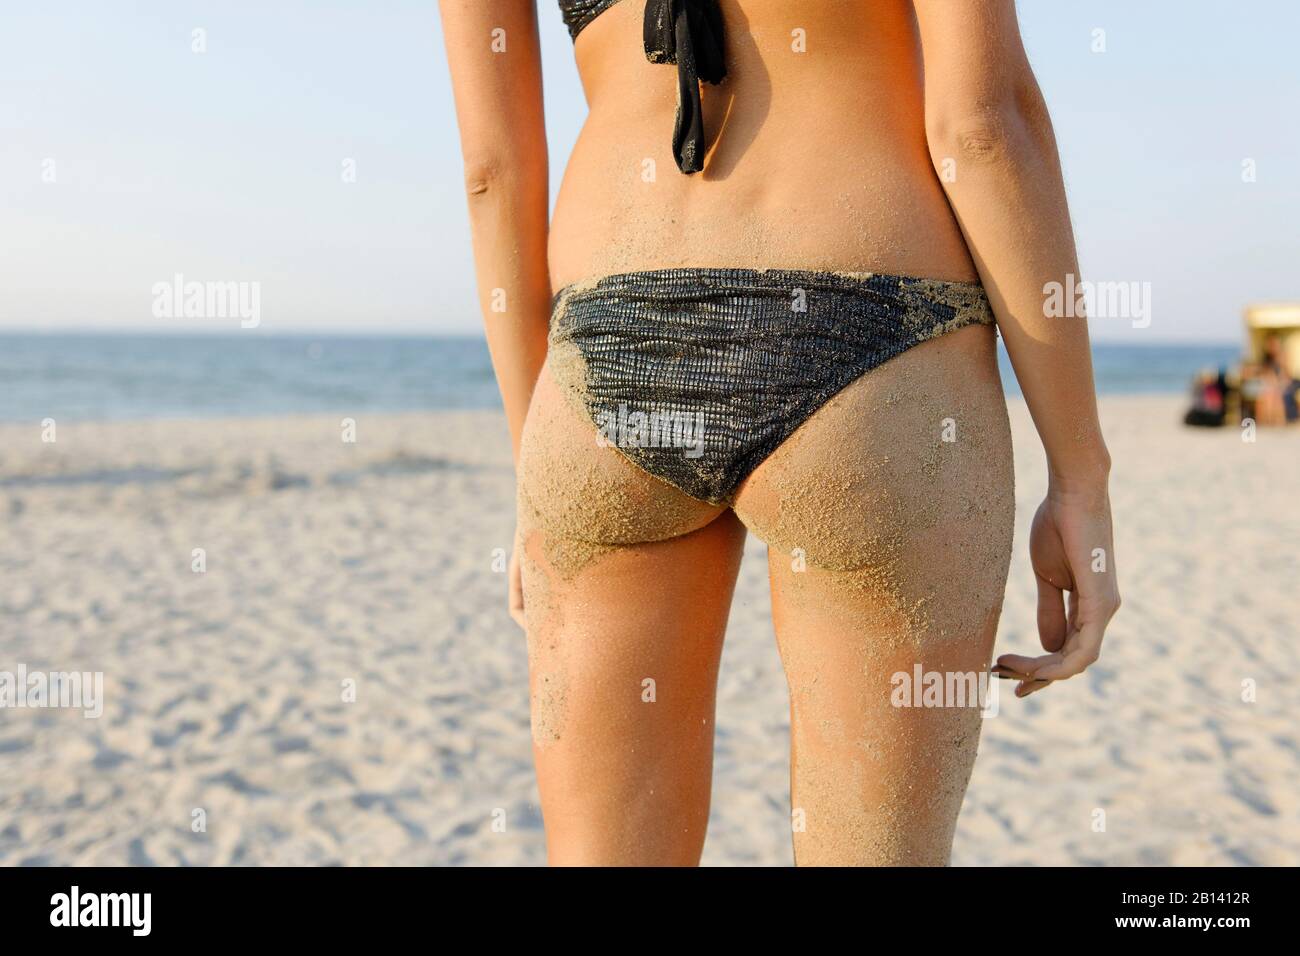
(688, 33)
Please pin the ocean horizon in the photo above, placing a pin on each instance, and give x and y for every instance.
(125, 376)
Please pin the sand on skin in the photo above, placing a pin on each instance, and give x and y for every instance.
(373, 563)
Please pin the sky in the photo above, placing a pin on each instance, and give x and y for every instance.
(127, 158)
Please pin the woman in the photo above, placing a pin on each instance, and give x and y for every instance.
(1275, 403)
(777, 255)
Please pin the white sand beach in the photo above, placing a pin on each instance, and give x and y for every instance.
(332, 565)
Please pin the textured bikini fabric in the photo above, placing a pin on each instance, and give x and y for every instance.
(578, 13)
(688, 33)
(698, 375)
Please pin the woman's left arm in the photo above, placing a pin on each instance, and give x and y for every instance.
(496, 72)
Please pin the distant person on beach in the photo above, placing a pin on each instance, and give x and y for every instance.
(1275, 399)
(1209, 399)
(766, 303)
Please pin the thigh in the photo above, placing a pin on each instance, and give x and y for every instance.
(627, 585)
(889, 518)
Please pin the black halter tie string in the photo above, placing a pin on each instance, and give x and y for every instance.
(688, 33)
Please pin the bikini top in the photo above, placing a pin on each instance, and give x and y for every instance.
(687, 33)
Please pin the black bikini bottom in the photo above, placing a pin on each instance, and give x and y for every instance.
(697, 375)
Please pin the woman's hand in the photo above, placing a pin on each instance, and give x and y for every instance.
(1071, 547)
(515, 593)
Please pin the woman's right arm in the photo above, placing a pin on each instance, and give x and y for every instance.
(496, 72)
(496, 75)
(991, 140)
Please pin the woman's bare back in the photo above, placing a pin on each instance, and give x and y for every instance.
(817, 155)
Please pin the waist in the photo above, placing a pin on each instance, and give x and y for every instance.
(821, 189)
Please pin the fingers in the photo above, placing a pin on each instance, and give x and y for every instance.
(1090, 612)
(1018, 668)
(1051, 615)
(1015, 667)
(515, 593)
(1081, 650)
(1059, 665)
(1026, 688)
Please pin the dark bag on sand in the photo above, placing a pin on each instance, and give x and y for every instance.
(1201, 416)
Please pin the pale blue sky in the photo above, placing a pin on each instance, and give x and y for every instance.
(226, 166)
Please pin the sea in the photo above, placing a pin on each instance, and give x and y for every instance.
(124, 376)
